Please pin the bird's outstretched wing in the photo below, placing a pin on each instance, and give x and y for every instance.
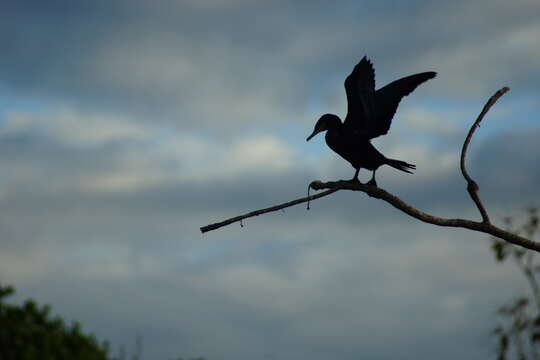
(388, 97)
(360, 89)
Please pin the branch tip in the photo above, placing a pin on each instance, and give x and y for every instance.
(472, 186)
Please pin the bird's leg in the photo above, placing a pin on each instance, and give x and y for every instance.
(372, 181)
(355, 178)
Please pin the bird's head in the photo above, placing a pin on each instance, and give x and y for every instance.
(325, 122)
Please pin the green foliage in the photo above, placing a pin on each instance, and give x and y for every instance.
(519, 333)
(28, 332)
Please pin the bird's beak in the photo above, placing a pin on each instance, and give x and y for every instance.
(315, 132)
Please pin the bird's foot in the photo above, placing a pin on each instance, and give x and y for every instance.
(352, 181)
(372, 182)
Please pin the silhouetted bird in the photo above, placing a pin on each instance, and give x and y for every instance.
(369, 115)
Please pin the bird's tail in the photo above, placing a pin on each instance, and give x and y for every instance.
(401, 165)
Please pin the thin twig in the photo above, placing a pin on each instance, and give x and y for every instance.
(472, 186)
(264, 211)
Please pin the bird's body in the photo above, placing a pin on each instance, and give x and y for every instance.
(369, 115)
(361, 154)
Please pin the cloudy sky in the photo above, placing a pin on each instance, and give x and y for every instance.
(127, 125)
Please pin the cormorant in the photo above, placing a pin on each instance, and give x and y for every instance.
(369, 114)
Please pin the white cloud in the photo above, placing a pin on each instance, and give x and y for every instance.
(144, 155)
(430, 123)
(75, 128)
(482, 65)
(190, 158)
(265, 152)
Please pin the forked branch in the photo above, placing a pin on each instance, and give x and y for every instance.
(484, 226)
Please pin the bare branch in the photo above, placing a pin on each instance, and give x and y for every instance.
(472, 186)
(484, 226)
(396, 202)
(264, 211)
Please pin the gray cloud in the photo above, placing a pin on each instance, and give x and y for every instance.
(227, 66)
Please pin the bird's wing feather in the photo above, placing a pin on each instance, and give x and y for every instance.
(360, 89)
(388, 97)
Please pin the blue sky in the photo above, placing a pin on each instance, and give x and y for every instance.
(127, 125)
